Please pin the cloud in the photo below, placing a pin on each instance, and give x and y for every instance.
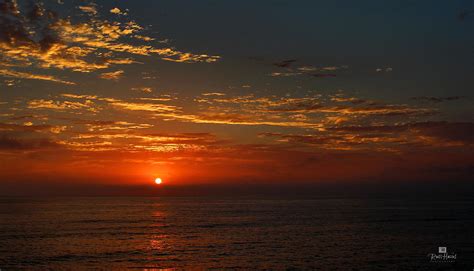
(93, 103)
(310, 112)
(34, 36)
(283, 74)
(285, 63)
(437, 99)
(379, 110)
(462, 132)
(236, 119)
(25, 75)
(152, 107)
(401, 138)
(89, 9)
(30, 128)
(61, 105)
(330, 68)
(143, 89)
(112, 75)
(144, 38)
(117, 11)
(213, 94)
(311, 69)
(308, 70)
(433, 133)
(164, 98)
(312, 74)
(295, 105)
(313, 112)
(306, 139)
(157, 108)
(387, 69)
(130, 140)
(317, 105)
(323, 75)
(352, 100)
(9, 127)
(15, 144)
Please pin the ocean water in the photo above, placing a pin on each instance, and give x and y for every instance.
(114, 233)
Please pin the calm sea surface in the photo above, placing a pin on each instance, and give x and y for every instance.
(234, 233)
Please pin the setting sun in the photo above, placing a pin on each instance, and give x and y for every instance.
(158, 181)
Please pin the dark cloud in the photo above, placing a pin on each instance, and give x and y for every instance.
(369, 129)
(285, 63)
(357, 107)
(465, 14)
(91, 122)
(399, 138)
(31, 26)
(8, 143)
(306, 139)
(322, 75)
(443, 131)
(26, 117)
(23, 128)
(448, 131)
(437, 99)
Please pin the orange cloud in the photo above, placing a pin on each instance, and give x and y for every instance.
(82, 47)
(25, 75)
(61, 105)
(88, 9)
(143, 89)
(111, 75)
(117, 11)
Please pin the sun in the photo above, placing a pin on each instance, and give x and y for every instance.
(158, 181)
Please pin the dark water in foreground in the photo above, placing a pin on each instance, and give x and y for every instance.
(205, 233)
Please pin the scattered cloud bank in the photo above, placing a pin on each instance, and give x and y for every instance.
(333, 114)
(37, 37)
(344, 135)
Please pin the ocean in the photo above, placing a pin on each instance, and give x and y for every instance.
(202, 233)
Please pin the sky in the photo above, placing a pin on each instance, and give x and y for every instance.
(229, 92)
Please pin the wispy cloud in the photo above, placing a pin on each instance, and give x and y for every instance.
(92, 9)
(115, 75)
(32, 76)
(437, 99)
(386, 69)
(61, 105)
(291, 68)
(213, 94)
(143, 89)
(15, 144)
